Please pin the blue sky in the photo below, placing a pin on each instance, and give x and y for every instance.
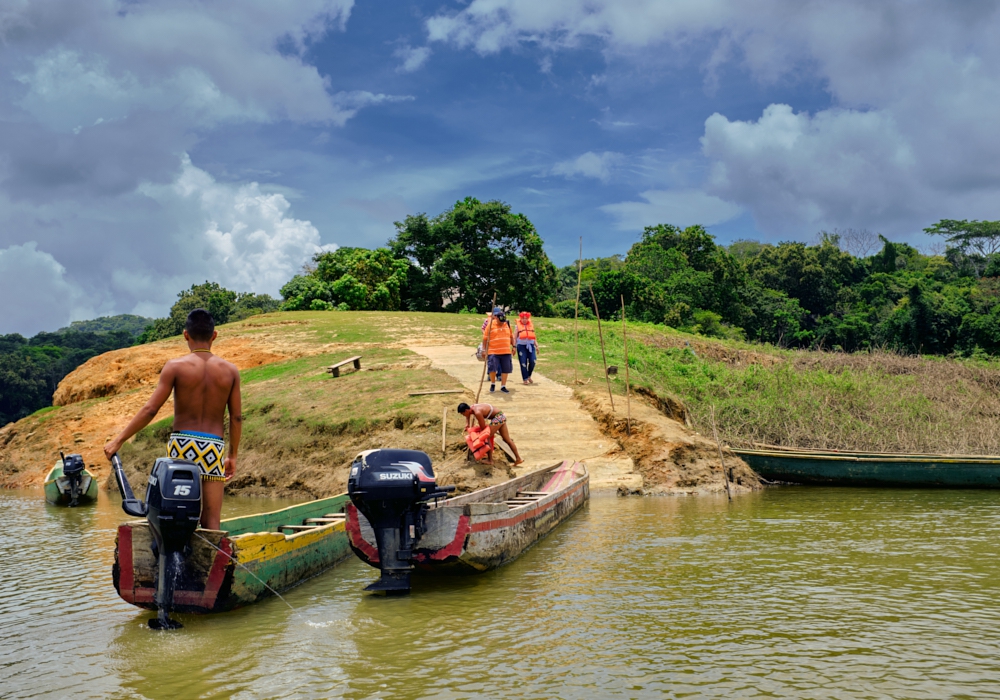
(151, 144)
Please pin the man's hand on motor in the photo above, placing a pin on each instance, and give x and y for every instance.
(110, 448)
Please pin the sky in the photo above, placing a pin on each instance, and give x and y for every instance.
(147, 145)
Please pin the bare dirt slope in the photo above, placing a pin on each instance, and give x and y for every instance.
(98, 398)
(550, 424)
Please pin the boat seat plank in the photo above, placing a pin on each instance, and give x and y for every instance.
(297, 527)
(322, 521)
(540, 494)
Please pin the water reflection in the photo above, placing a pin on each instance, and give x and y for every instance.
(795, 592)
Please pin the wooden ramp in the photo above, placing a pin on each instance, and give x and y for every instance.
(545, 420)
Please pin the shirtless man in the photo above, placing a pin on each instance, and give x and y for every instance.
(203, 386)
(485, 414)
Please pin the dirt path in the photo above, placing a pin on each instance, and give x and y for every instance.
(545, 420)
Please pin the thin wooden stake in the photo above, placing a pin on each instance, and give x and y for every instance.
(486, 350)
(576, 313)
(444, 431)
(628, 397)
(603, 356)
(715, 431)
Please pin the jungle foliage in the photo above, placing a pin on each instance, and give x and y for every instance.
(31, 368)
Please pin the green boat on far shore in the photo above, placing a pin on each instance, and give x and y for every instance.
(843, 468)
(76, 486)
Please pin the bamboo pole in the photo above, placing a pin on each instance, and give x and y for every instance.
(444, 431)
(603, 356)
(486, 350)
(722, 462)
(576, 313)
(628, 397)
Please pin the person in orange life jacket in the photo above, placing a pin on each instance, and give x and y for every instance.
(486, 415)
(527, 346)
(498, 341)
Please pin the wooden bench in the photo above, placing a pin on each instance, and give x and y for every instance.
(335, 369)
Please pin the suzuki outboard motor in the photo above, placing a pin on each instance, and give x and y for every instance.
(391, 488)
(173, 509)
(73, 467)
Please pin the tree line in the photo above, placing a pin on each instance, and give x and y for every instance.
(849, 290)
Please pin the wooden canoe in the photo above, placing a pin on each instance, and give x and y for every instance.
(490, 527)
(281, 549)
(57, 487)
(873, 468)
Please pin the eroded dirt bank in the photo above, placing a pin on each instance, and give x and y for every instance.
(670, 457)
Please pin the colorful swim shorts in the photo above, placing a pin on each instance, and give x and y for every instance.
(204, 449)
(498, 419)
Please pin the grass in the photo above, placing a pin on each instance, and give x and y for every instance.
(297, 416)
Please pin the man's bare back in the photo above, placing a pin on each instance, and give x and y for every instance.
(202, 386)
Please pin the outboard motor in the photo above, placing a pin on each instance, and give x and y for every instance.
(173, 509)
(391, 488)
(73, 467)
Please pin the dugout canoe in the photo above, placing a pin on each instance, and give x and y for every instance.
(488, 528)
(281, 548)
(846, 468)
(57, 490)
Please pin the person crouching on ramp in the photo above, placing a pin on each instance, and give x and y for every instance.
(486, 415)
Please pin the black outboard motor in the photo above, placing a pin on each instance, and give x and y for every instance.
(73, 467)
(173, 509)
(391, 489)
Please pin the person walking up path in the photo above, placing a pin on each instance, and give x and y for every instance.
(203, 386)
(498, 340)
(527, 346)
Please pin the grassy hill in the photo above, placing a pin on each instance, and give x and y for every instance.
(302, 427)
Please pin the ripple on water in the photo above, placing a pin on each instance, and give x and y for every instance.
(791, 593)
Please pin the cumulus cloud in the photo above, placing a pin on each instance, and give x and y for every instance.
(682, 207)
(590, 164)
(412, 58)
(101, 211)
(38, 296)
(911, 133)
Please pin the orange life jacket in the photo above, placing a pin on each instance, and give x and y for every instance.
(501, 337)
(525, 330)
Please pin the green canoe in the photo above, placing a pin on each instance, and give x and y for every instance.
(57, 488)
(239, 564)
(873, 468)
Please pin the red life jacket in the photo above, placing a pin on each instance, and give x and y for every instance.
(525, 330)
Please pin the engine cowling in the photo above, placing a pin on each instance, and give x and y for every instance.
(391, 488)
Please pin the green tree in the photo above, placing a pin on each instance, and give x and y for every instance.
(349, 278)
(462, 256)
(225, 305)
(982, 237)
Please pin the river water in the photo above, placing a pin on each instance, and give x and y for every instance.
(794, 592)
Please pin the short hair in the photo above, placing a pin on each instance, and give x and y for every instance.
(200, 325)
(463, 407)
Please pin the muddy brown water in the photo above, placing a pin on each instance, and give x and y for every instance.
(792, 592)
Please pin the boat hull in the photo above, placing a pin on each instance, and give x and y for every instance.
(229, 568)
(467, 535)
(57, 487)
(858, 469)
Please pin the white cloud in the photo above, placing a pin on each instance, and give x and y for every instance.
(911, 136)
(682, 207)
(590, 164)
(245, 238)
(37, 295)
(350, 103)
(835, 167)
(412, 58)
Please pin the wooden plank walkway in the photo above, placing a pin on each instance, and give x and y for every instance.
(545, 420)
